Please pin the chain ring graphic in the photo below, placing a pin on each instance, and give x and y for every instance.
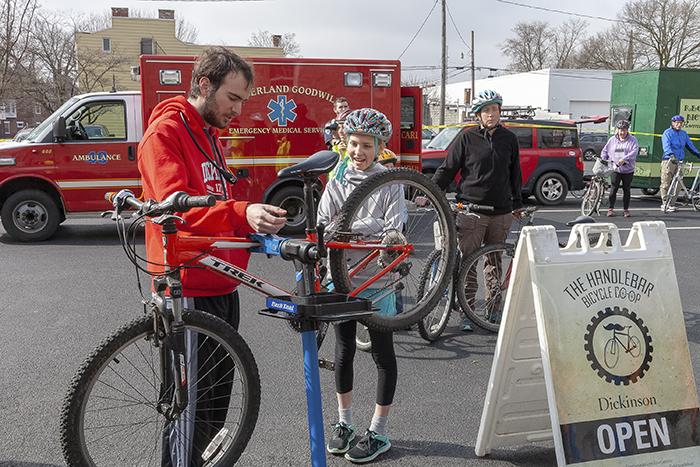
(591, 356)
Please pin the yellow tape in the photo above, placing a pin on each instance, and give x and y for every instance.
(510, 124)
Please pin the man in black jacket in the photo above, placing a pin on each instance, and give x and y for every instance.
(488, 160)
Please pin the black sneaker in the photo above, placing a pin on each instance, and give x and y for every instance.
(340, 438)
(368, 448)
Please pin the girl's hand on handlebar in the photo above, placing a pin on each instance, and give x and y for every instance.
(265, 218)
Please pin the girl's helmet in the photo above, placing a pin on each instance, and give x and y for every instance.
(485, 98)
(368, 122)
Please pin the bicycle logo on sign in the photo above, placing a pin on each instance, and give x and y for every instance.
(618, 346)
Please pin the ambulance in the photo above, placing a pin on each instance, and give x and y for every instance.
(88, 146)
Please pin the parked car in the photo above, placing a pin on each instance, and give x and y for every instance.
(23, 133)
(426, 136)
(591, 144)
(550, 157)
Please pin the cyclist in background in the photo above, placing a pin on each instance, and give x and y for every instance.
(367, 132)
(674, 141)
(621, 149)
(488, 158)
(388, 158)
(181, 151)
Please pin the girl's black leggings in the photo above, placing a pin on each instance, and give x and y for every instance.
(382, 353)
(626, 180)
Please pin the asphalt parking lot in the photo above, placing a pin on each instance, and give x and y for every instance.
(61, 297)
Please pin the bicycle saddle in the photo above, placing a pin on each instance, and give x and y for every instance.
(581, 220)
(614, 327)
(320, 163)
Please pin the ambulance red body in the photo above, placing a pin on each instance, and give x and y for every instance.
(88, 146)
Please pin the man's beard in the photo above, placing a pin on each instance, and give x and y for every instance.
(209, 112)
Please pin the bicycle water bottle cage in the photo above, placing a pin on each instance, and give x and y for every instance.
(314, 166)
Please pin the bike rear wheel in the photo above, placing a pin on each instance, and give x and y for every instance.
(483, 282)
(390, 280)
(110, 415)
(433, 325)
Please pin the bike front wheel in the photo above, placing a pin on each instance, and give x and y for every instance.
(696, 202)
(589, 204)
(433, 325)
(482, 284)
(113, 412)
(385, 233)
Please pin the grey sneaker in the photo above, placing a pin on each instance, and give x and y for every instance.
(368, 448)
(340, 438)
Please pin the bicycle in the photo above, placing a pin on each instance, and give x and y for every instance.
(632, 346)
(691, 195)
(141, 389)
(480, 296)
(594, 196)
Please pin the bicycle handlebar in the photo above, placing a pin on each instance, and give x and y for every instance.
(176, 202)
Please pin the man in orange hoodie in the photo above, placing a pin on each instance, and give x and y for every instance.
(180, 151)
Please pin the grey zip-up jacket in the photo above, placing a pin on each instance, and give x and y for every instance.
(386, 210)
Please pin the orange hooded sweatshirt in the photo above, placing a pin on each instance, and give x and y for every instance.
(169, 161)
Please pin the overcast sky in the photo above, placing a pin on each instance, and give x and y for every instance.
(366, 28)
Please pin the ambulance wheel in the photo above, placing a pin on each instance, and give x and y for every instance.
(30, 216)
(291, 199)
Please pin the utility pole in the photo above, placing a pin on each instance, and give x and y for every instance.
(473, 94)
(443, 79)
(630, 54)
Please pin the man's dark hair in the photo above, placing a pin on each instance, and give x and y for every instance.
(215, 63)
(339, 100)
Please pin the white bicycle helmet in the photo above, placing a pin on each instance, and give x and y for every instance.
(485, 98)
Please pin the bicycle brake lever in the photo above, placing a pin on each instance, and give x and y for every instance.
(160, 220)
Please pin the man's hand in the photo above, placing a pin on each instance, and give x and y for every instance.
(265, 218)
(518, 213)
(421, 201)
(621, 163)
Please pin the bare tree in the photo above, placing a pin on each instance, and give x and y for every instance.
(609, 50)
(666, 32)
(566, 41)
(186, 31)
(16, 18)
(288, 42)
(49, 72)
(530, 48)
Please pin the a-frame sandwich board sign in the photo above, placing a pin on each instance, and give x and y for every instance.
(592, 352)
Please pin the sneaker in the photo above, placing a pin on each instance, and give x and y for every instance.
(627, 213)
(340, 438)
(611, 213)
(466, 325)
(368, 448)
(672, 209)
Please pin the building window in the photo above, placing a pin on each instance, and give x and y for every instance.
(37, 109)
(106, 44)
(148, 46)
(6, 127)
(20, 125)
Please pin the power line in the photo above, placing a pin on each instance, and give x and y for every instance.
(419, 29)
(456, 28)
(553, 10)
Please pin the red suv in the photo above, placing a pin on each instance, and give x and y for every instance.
(550, 157)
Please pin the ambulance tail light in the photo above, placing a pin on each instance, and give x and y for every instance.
(353, 79)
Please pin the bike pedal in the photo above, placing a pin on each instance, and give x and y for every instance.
(326, 364)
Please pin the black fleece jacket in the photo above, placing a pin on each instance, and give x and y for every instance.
(489, 166)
